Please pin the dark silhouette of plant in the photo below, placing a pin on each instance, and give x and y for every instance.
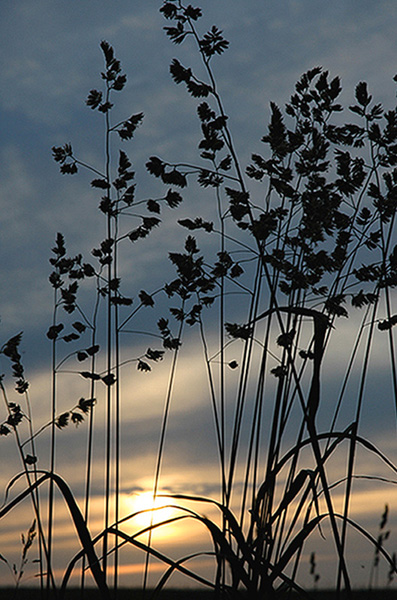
(383, 536)
(73, 321)
(313, 569)
(311, 242)
(302, 239)
(18, 571)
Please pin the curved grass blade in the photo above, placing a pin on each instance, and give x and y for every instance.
(78, 520)
(172, 568)
(161, 557)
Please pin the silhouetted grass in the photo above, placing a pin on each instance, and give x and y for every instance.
(288, 265)
(190, 594)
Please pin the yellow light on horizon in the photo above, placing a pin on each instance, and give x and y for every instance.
(150, 511)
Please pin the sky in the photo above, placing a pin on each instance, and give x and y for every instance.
(49, 60)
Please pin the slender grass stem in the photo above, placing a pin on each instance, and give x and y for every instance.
(160, 452)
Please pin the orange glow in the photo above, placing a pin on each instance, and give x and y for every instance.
(143, 504)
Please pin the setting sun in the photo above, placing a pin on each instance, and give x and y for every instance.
(143, 504)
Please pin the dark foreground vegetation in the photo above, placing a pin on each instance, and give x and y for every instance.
(191, 594)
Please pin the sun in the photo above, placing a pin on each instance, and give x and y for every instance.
(143, 501)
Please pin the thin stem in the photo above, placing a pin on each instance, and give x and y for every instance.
(109, 337)
(160, 452)
(52, 456)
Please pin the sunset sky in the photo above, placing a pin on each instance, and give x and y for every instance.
(50, 59)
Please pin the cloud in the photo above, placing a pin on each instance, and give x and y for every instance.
(44, 44)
